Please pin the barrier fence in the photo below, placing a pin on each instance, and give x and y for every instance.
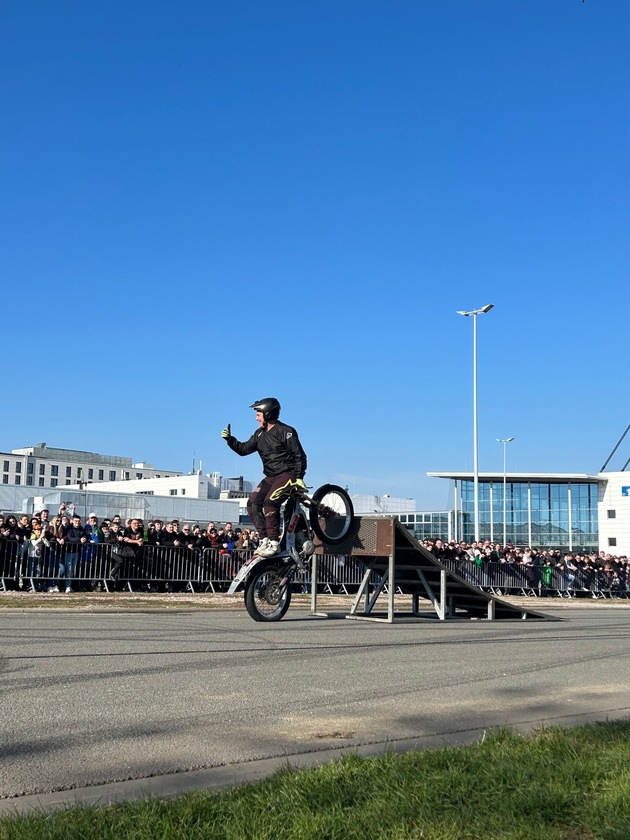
(535, 581)
(99, 566)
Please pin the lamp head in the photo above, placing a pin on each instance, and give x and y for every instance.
(485, 308)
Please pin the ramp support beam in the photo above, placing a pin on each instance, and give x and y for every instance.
(396, 563)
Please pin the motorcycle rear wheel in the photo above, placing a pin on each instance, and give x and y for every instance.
(265, 598)
(332, 514)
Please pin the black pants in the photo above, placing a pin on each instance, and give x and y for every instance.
(264, 511)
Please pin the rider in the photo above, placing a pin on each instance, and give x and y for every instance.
(284, 465)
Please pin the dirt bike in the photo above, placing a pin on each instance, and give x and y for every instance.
(328, 515)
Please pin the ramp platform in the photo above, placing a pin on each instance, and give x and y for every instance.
(397, 564)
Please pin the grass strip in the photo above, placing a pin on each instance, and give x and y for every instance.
(554, 784)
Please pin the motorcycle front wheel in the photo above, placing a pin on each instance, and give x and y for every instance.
(266, 599)
(331, 515)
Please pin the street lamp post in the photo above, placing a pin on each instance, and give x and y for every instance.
(474, 313)
(505, 442)
(82, 486)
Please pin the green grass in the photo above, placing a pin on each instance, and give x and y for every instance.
(554, 784)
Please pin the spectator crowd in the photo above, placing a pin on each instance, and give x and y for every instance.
(488, 564)
(66, 540)
(54, 554)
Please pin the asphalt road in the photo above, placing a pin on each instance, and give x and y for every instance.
(88, 699)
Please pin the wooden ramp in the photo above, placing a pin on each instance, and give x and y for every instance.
(396, 564)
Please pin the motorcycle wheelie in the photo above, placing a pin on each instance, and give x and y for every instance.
(327, 514)
(285, 515)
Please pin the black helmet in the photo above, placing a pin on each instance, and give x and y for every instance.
(269, 408)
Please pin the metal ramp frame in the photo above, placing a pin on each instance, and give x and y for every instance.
(396, 563)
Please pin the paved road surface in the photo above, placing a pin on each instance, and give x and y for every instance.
(87, 699)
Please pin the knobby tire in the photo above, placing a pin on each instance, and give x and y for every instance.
(332, 514)
(265, 600)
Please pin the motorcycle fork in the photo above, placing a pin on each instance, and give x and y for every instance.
(292, 516)
(288, 577)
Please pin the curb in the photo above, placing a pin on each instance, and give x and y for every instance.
(219, 778)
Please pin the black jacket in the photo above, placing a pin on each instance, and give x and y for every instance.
(73, 537)
(168, 537)
(279, 448)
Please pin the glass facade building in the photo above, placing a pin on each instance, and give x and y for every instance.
(544, 511)
(435, 523)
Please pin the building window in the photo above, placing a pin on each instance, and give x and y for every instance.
(42, 469)
(6, 466)
(41, 482)
(68, 472)
(54, 482)
(5, 479)
(612, 541)
(126, 476)
(18, 466)
(173, 492)
(183, 493)
(612, 514)
(112, 475)
(90, 474)
(138, 475)
(79, 472)
(18, 479)
(101, 475)
(30, 468)
(68, 481)
(29, 479)
(54, 470)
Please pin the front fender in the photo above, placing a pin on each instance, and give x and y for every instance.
(244, 572)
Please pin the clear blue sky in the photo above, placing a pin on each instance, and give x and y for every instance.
(206, 203)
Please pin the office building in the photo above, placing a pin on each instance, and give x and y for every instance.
(44, 466)
(572, 511)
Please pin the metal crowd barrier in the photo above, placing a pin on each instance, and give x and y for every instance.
(160, 568)
(102, 566)
(536, 581)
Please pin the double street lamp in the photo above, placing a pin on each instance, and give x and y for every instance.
(474, 313)
(505, 442)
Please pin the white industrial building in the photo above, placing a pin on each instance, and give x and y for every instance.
(47, 466)
(193, 486)
(366, 503)
(130, 505)
(613, 512)
(41, 476)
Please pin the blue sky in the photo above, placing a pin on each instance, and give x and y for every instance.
(206, 203)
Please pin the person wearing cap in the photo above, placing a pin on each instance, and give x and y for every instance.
(211, 538)
(154, 536)
(92, 530)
